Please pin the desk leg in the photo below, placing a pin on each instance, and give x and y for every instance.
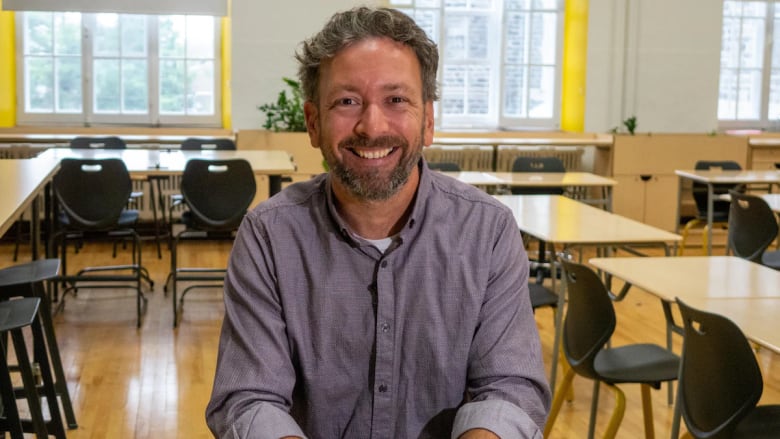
(710, 208)
(558, 317)
(274, 184)
(35, 227)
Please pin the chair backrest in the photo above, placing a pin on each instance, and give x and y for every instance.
(444, 166)
(590, 317)
(752, 226)
(720, 380)
(538, 164)
(110, 142)
(92, 192)
(720, 208)
(218, 192)
(197, 143)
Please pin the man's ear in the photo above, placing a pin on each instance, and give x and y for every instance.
(312, 115)
(428, 130)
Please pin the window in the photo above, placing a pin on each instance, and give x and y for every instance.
(118, 68)
(749, 91)
(499, 63)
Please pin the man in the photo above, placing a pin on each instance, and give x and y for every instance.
(381, 300)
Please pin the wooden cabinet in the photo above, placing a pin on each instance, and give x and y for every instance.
(644, 166)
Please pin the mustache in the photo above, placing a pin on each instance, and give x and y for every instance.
(376, 142)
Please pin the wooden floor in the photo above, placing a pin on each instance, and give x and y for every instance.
(155, 382)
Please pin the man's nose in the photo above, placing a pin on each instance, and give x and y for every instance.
(372, 123)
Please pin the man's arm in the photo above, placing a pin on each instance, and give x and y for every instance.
(254, 379)
(508, 389)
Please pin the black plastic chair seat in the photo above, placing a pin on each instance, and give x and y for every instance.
(15, 314)
(761, 423)
(541, 296)
(771, 259)
(638, 363)
(30, 272)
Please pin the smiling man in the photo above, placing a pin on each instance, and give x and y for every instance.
(380, 300)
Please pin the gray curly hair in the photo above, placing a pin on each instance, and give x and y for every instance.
(348, 27)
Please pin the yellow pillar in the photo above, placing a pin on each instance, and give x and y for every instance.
(575, 51)
(7, 69)
(226, 70)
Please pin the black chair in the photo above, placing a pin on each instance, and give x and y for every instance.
(217, 194)
(720, 207)
(199, 143)
(540, 266)
(136, 197)
(720, 382)
(444, 166)
(752, 229)
(27, 280)
(92, 194)
(587, 328)
(15, 315)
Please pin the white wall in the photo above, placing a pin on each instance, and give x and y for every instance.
(658, 60)
(664, 69)
(265, 36)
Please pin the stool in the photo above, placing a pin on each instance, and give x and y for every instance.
(26, 280)
(15, 315)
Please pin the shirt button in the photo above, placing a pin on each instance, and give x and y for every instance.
(382, 388)
(384, 264)
(385, 327)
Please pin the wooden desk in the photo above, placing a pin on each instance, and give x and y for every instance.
(726, 285)
(21, 181)
(542, 179)
(563, 222)
(713, 177)
(145, 162)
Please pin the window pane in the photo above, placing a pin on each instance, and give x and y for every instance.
(107, 86)
(478, 37)
(401, 2)
(455, 37)
(479, 90)
(172, 84)
(38, 33)
(727, 98)
(39, 91)
(453, 90)
(514, 92)
(135, 93)
(545, 4)
(200, 37)
(133, 35)
(69, 85)
(455, 3)
(68, 34)
(106, 40)
(774, 96)
(200, 78)
(514, 38)
(428, 3)
(753, 31)
(729, 52)
(543, 38)
(541, 90)
(516, 4)
(171, 35)
(749, 103)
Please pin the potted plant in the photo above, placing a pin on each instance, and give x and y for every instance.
(286, 114)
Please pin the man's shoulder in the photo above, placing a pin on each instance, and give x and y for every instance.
(299, 195)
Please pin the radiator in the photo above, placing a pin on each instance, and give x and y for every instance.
(468, 157)
(570, 155)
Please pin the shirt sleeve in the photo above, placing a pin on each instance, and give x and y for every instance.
(254, 379)
(507, 387)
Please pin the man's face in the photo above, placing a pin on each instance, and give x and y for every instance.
(371, 122)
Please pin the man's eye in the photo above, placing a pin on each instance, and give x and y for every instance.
(397, 100)
(346, 101)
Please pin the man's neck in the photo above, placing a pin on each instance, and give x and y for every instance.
(377, 219)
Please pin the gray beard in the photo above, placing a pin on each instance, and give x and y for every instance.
(368, 186)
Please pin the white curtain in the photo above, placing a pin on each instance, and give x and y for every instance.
(167, 7)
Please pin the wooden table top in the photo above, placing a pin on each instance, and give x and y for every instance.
(20, 181)
(733, 177)
(558, 219)
(745, 292)
(541, 179)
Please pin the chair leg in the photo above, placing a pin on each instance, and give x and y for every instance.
(594, 406)
(557, 402)
(688, 226)
(617, 413)
(28, 382)
(647, 411)
(11, 421)
(54, 426)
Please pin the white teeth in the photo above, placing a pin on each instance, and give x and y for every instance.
(374, 153)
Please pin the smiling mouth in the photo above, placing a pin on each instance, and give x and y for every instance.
(373, 154)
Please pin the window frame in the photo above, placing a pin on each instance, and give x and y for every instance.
(88, 117)
(496, 118)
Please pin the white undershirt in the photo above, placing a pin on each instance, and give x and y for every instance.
(381, 244)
